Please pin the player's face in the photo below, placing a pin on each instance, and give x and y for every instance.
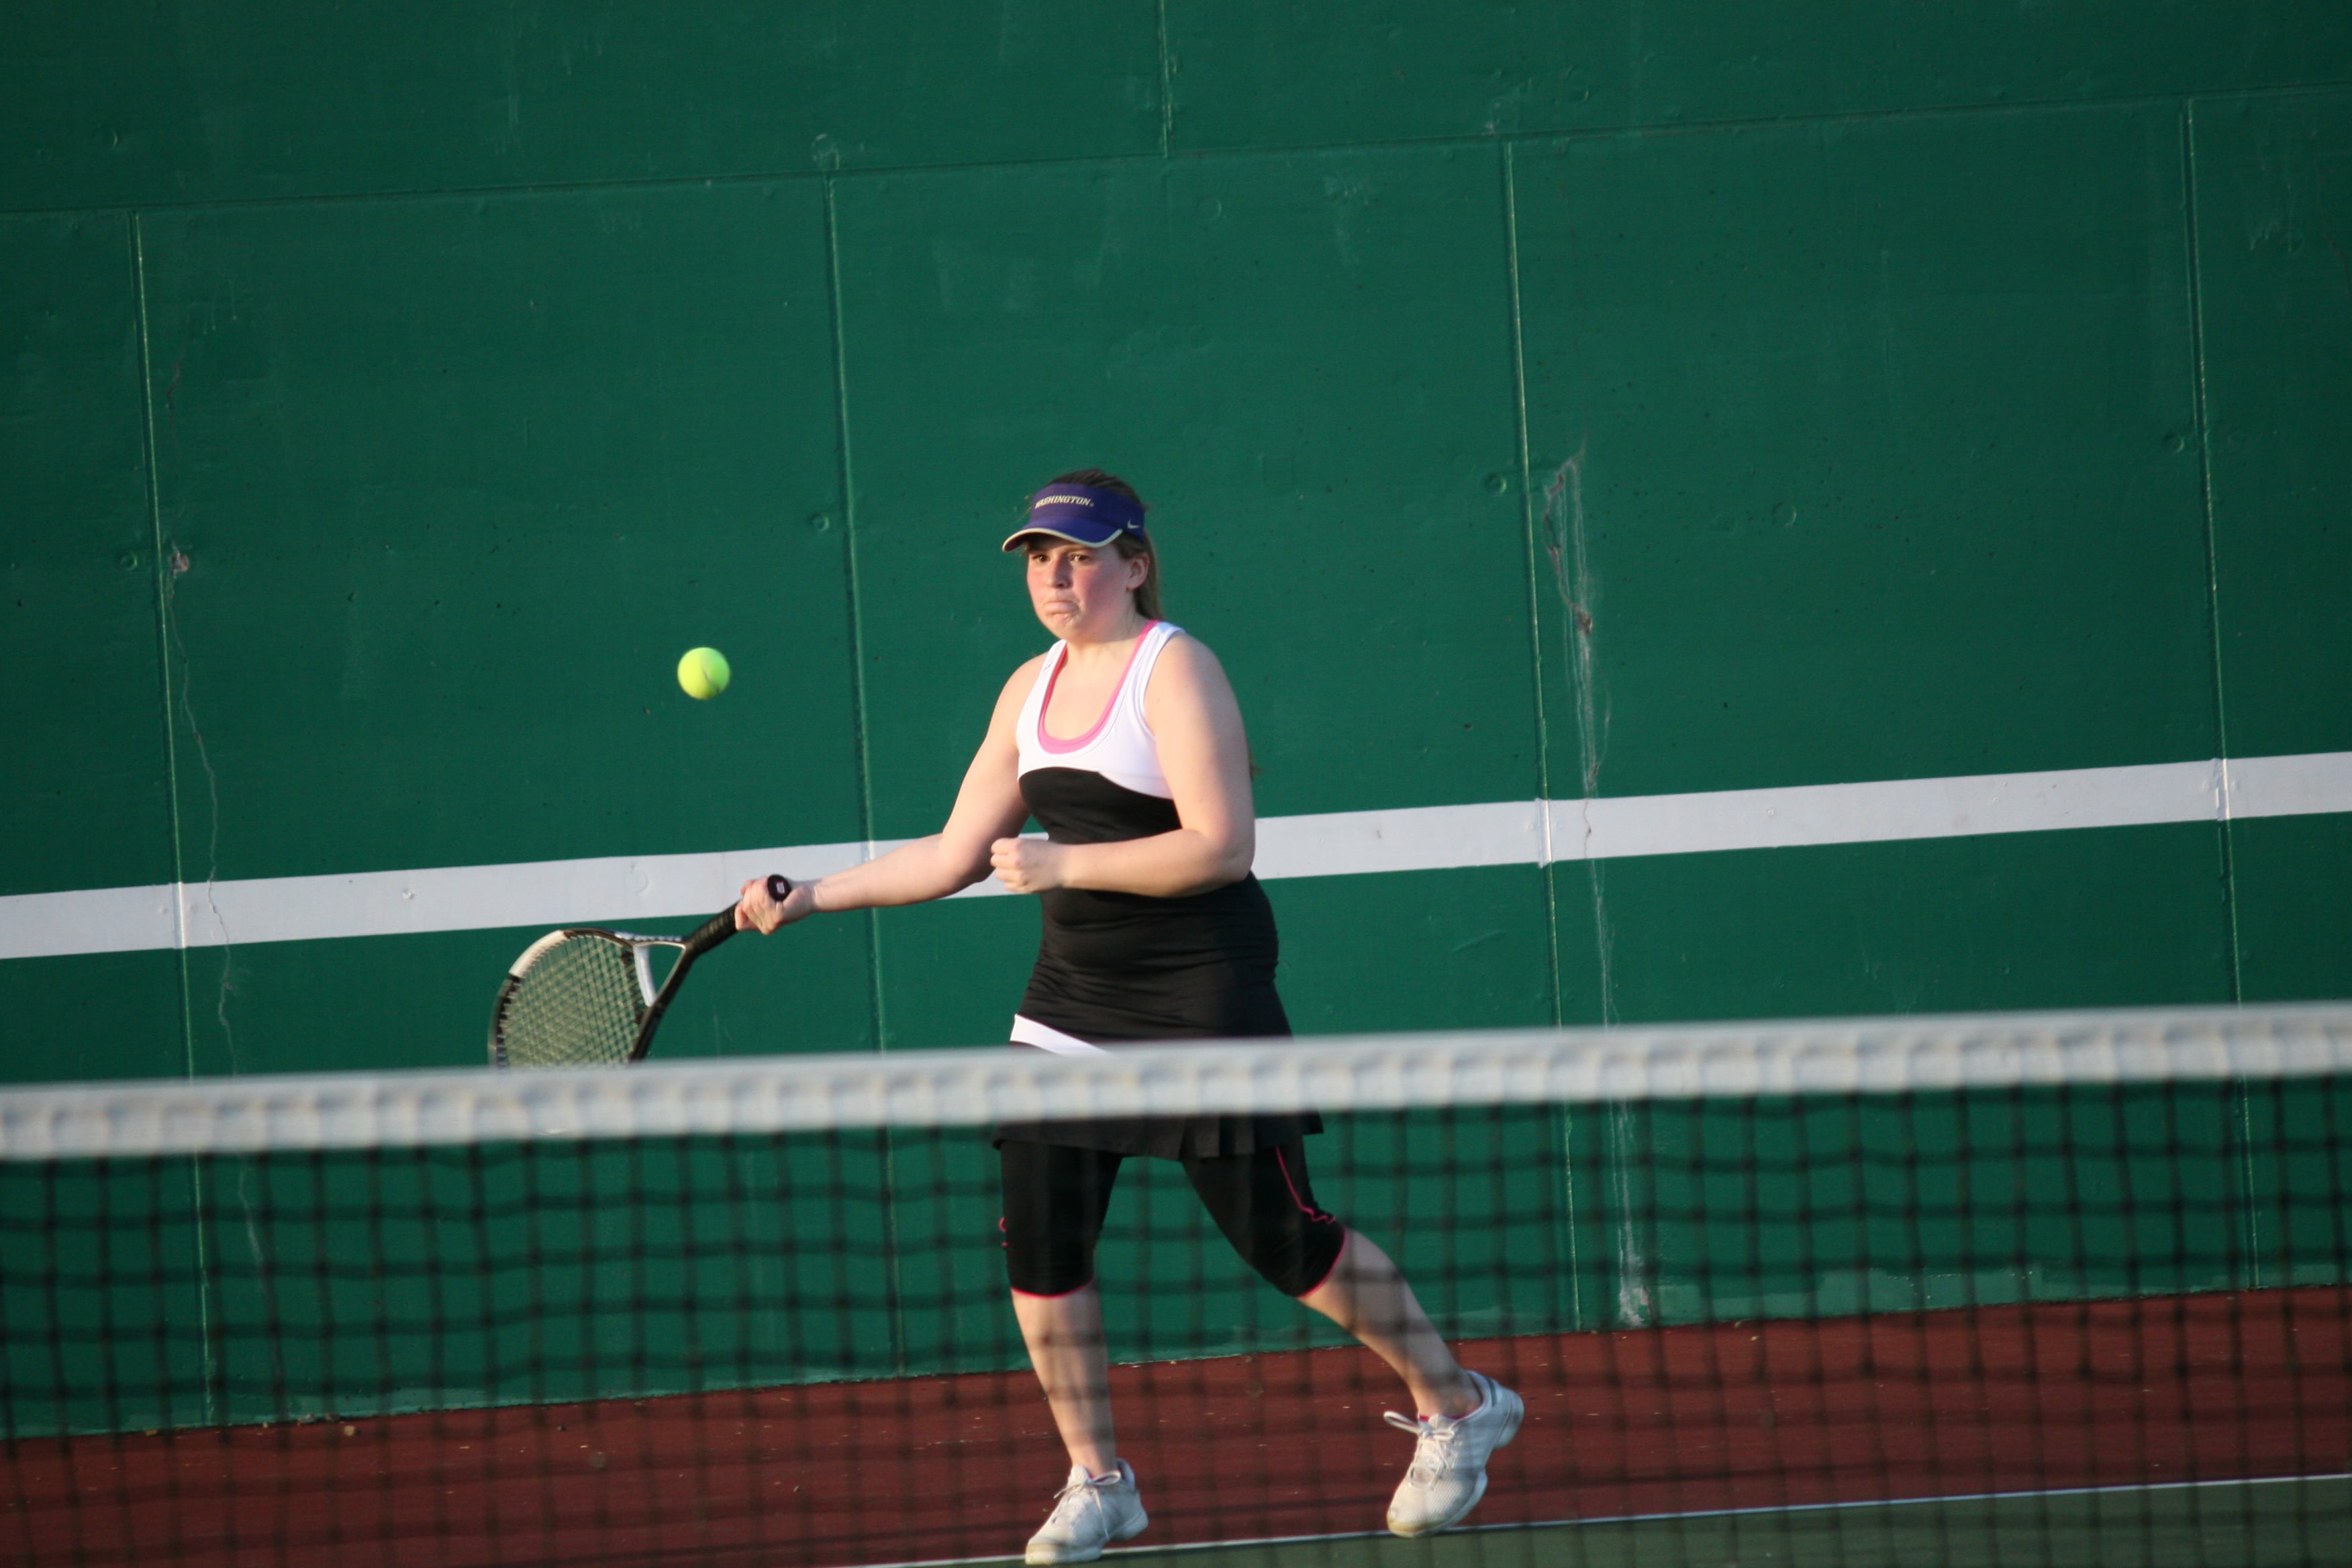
(1082, 591)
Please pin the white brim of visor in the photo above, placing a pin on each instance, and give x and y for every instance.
(1013, 539)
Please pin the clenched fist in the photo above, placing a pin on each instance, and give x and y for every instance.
(1028, 865)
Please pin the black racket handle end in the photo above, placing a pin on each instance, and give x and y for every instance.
(721, 926)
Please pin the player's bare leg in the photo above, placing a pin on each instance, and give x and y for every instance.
(1367, 1296)
(1100, 1504)
(1064, 1336)
(1464, 1416)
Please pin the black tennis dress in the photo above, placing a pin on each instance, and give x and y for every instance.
(1125, 967)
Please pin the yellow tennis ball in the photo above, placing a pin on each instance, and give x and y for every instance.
(703, 673)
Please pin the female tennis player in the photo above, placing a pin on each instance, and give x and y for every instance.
(1123, 740)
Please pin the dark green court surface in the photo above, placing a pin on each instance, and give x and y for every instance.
(2256, 1524)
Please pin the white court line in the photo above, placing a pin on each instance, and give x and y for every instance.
(625, 888)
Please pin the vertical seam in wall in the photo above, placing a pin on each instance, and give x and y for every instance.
(160, 574)
(856, 605)
(894, 1312)
(2250, 1224)
(1167, 85)
(1563, 1123)
(2226, 827)
(1534, 594)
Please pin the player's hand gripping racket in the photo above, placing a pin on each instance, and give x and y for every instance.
(585, 997)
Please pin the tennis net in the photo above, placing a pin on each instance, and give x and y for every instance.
(2025, 1288)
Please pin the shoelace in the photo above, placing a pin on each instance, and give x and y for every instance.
(1076, 1494)
(1434, 1455)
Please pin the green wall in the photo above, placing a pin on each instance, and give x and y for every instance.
(1600, 398)
(1603, 399)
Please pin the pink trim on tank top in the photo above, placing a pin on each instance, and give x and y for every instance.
(1064, 748)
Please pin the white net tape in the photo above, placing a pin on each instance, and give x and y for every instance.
(967, 1087)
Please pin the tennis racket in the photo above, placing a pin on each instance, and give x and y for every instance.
(585, 997)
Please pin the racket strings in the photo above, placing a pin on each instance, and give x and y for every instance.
(579, 1005)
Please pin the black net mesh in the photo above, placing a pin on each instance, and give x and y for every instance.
(758, 1314)
(578, 1004)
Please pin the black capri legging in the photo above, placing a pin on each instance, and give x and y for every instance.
(1055, 1198)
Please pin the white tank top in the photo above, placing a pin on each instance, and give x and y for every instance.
(1120, 747)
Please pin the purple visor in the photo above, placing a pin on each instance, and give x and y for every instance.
(1081, 514)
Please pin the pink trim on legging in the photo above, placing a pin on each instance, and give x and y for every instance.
(1055, 1296)
(1335, 1264)
(1311, 1213)
(1315, 1213)
(1062, 747)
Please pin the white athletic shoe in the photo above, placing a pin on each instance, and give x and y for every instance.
(1095, 1511)
(1449, 1464)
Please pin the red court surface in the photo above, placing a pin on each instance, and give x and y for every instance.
(2166, 1389)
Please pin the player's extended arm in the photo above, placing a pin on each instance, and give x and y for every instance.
(1205, 755)
(987, 807)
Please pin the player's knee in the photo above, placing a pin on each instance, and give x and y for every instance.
(1297, 1258)
(1040, 1266)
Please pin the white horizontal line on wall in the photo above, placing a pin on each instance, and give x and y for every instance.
(629, 888)
(1885, 811)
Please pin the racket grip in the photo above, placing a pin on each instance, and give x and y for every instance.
(721, 926)
(711, 932)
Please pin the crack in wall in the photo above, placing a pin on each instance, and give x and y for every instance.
(176, 566)
(265, 1278)
(1566, 542)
